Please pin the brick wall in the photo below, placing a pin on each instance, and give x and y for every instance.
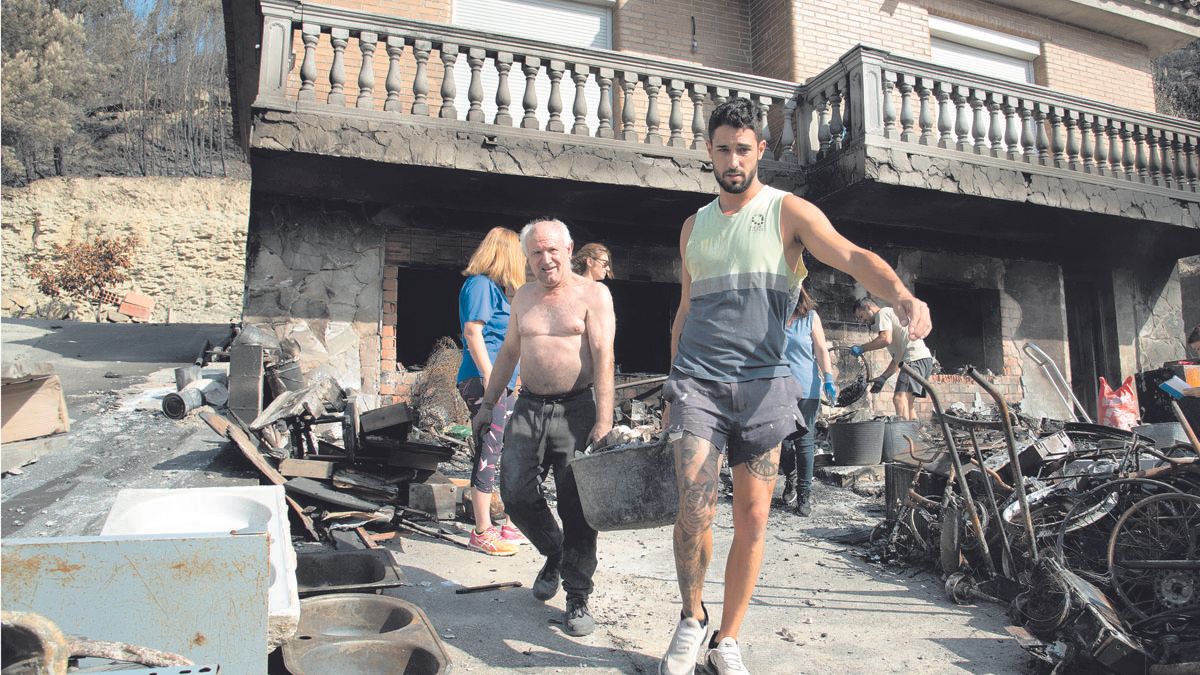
(405, 245)
(664, 28)
(772, 46)
(1073, 60)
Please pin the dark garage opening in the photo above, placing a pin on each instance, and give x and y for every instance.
(427, 308)
(644, 312)
(966, 327)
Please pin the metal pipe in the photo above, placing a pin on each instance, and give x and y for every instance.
(959, 475)
(991, 495)
(1050, 368)
(638, 383)
(1013, 458)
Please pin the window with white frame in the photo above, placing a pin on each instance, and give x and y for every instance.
(982, 51)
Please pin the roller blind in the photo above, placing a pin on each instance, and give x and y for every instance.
(981, 61)
(981, 50)
(558, 21)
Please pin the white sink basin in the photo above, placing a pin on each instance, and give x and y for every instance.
(233, 510)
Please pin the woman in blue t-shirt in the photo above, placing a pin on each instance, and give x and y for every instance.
(495, 271)
(811, 366)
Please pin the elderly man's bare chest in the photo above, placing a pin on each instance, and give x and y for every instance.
(559, 316)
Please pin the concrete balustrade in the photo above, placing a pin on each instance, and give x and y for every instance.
(868, 97)
(638, 99)
(920, 103)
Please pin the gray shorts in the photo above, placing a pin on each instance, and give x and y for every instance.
(745, 419)
(924, 368)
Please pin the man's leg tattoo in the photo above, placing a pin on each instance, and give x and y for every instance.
(697, 469)
(765, 466)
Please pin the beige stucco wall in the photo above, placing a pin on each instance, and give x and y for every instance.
(192, 233)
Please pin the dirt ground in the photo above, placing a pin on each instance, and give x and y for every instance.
(820, 606)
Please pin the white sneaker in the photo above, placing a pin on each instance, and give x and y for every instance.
(726, 658)
(689, 638)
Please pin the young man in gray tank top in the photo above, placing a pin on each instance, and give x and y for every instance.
(730, 388)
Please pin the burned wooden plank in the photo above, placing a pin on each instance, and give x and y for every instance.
(400, 453)
(313, 489)
(385, 417)
(368, 485)
(306, 468)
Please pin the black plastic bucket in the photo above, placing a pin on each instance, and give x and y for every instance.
(893, 438)
(628, 489)
(857, 443)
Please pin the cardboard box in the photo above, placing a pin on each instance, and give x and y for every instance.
(32, 407)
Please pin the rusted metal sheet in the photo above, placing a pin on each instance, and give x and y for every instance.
(203, 596)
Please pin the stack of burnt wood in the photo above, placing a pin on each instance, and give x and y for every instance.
(346, 466)
(1090, 534)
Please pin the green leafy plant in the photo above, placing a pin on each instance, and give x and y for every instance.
(82, 270)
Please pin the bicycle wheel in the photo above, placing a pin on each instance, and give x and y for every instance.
(1081, 543)
(1154, 554)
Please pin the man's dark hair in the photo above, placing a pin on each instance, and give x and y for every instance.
(739, 113)
(864, 303)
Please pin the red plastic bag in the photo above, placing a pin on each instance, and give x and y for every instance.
(1118, 407)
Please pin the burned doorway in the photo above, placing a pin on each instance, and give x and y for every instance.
(426, 309)
(644, 312)
(1091, 333)
(967, 327)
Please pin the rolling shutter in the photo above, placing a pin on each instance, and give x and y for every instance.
(557, 21)
(982, 51)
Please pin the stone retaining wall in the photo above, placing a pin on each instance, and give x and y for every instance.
(192, 232)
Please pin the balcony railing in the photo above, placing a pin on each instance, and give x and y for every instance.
(615, 95)
(871, 93)
(868, 97)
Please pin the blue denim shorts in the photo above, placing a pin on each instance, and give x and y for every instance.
(743, 419)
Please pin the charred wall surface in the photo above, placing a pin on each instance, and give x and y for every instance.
(369, 287)
(314, 273)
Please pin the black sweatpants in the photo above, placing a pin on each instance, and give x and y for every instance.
(542, 435)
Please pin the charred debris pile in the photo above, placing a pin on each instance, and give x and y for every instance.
(1089, 534)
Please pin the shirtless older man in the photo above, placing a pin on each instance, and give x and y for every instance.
(561, 330)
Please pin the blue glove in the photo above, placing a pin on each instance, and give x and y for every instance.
(856, 350)
(830, 388)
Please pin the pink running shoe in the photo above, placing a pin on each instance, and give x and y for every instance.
(490, 542)
(511, 534)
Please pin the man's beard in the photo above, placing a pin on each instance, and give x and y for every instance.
(739, 188)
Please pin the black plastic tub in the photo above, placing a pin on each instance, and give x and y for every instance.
(628, 489)
(893, 438)
(857, 443)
